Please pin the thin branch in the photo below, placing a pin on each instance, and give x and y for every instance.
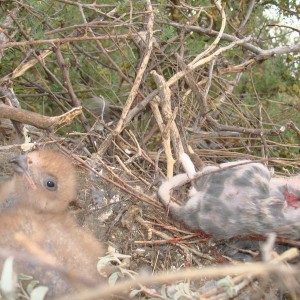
(67, 40)
(69, 87)
(220, 33)
(247, 16)
(248, 46)
(134, 90)
(22, 68)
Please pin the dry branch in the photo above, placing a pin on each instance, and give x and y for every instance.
(65, 40)
(21, 69)
(137, 82)
(164, 102)
(166, 237)
(245, 44)
(218, 38)
(251, 269)
(37, 120)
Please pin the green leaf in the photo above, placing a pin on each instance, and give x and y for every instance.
(8, 281)
(133, 293)
(113, 278)
(39, 293)
(31, 285)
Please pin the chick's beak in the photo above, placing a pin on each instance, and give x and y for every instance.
(20, 166)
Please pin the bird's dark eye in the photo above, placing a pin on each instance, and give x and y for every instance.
(50, 183)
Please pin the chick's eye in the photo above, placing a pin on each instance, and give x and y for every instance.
(50, 183)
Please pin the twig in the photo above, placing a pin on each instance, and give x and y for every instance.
(134, 90)
(167, 237)
(219, 36)
(263, 54)
(247, 16)
(69, 87)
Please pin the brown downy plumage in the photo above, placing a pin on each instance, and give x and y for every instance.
(43, 185)
(236, 199)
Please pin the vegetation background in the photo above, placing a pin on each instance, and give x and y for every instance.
(218, 80)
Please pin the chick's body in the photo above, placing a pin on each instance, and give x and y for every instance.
(61, 244)
(236, 199)
(38, 194)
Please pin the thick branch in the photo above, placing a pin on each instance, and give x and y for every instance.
(37, 120)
